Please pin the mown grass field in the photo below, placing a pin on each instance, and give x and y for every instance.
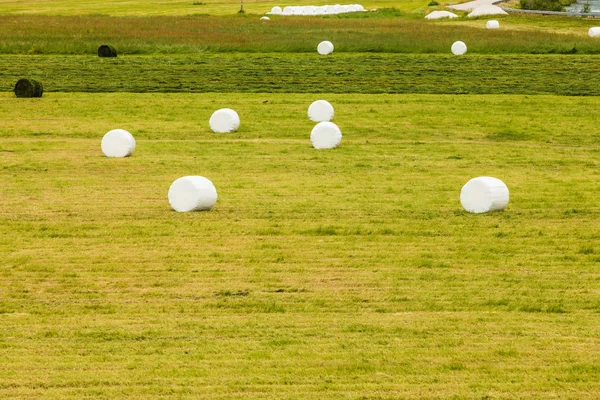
(351, 273)
(310, 73)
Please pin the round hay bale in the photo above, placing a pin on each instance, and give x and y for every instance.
(484, 194)
(28, 88)
(325, 135)
(458, 48)
(192, 193)
(325, 47)
(492, 24)
(265, 18)
(106, 51)
(276, 10)
(224, 120)
(118, 143)
(320, 110)
(594, 31)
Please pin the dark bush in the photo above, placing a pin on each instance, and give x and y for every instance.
(29, 88)
(541, 5)
(433, 3)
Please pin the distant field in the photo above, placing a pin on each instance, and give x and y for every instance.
(174, 7)
(343, 274)
(388, 31)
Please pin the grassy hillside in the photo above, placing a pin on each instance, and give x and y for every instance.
(350, 273)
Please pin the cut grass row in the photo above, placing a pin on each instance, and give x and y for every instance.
(310, 73)
(185, 35)
(351, 273)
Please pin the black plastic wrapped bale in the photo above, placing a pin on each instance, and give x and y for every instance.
(29, 88)
(106, 51)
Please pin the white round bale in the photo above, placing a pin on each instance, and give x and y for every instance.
(325, 135)
(492, 24)
(118, 143)
(320, 110)
(276, 10)
(192, 193)
(265, 18)
(325, 47)
(594, 31)
(458, 48)
(224, 120)
(484, 194)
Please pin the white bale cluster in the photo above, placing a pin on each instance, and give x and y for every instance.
(325, 135)
(192, 193)
(492, 24)
(118, 143)
(458, 48)
(440, 15)
(224, 120)
(316, 10)
(594, 32)
(320, 110)
(325, 47)
(484, 194)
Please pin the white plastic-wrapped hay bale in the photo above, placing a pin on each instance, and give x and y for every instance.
(118, 143)
(276, 10)
(224, 120)
(265, 18)
(192, 193)
(594, 32)
(325, 135)
(458, 48)
(325, 47)
(484, 194)
(440, 15)
(486, 9)
(492, 24)
(320, 110)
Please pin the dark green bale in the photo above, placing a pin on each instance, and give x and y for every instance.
(29, 88)
(106, 51)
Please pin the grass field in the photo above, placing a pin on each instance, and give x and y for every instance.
(310, 73)
(351, 273)
(386, 32)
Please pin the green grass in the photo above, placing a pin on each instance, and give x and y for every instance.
(343, 274)
(310, 73)
(379, 33)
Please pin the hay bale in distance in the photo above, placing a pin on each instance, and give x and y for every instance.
(492, 24)
(594, 31)
(28, 88)
(224, 120)
(484, 194)
(325, 47)
(192, 193)
(107, 51)
(265, 18)
(440, 14)
(458, 48)
(326, 135)
(118, 143)
(320, 110)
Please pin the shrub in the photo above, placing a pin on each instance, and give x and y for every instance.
(433, 3)
(542, 5)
